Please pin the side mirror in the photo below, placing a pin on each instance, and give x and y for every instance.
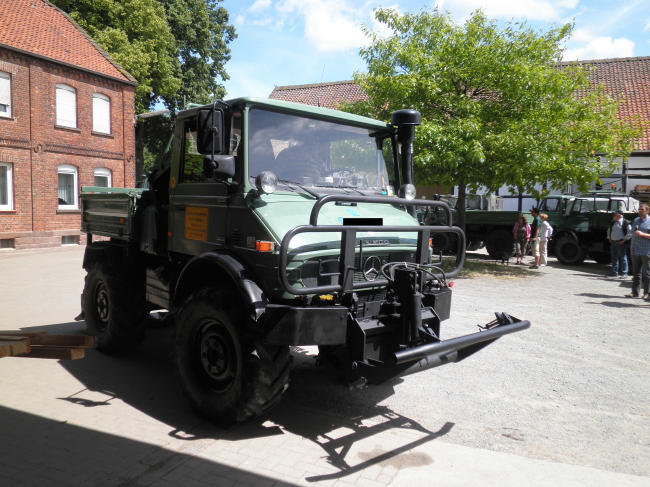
(210, 131)
(219, 166)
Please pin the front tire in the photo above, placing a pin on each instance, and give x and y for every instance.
(227, 375)
(114, 308)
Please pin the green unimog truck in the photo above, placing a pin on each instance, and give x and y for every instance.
(265, 225)
(581, 224)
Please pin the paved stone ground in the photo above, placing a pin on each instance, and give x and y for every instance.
(564, 403)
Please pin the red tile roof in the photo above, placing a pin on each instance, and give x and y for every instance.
(39, 28)
(627, 78)
(328, 95)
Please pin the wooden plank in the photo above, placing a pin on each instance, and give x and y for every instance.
(53, 352)
(11, 346)
(44, 338)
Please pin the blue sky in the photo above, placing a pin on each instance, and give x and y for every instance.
(286, 42)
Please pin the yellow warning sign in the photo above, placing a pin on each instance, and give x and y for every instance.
(196, 223)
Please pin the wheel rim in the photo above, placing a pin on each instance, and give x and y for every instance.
(102, 304)
(217, 355)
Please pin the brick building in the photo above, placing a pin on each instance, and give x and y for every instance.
(66, 121)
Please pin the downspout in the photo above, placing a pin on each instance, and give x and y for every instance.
(31, 149)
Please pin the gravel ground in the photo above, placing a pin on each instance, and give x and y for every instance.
(573, 388)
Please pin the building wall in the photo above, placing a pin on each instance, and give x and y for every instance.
(32, 143)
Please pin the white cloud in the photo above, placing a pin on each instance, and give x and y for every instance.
(330, 25)
(601, 48)
(259, 5)
(549, 10)
(647, 26)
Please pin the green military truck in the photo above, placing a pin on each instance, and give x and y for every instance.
(490, 226)
(269, 224)
(580, 225)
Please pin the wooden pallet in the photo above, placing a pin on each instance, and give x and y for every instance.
(17, 343)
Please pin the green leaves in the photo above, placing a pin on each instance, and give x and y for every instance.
(496, 108)
(175, 49)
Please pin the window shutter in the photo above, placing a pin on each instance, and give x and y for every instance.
(5, 94)
(101, 114)
(66, 106)
(102, 177)
(4, 186)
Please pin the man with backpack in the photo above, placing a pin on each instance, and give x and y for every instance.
(619, 234)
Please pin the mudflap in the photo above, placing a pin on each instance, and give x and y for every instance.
(419, 358)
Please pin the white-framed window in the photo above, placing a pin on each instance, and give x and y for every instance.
(101, 114)
(67, 187)
(6, 187)
(5, 95)
(66, 106)
(102, 177)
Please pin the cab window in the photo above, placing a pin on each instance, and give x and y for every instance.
(192, 160)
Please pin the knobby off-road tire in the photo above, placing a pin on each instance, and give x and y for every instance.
(568, 251)
(500, 244)
(114, 308)
(226, 374)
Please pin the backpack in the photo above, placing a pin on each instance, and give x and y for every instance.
(624, 226)
(521, 232)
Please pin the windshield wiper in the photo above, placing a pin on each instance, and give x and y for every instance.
(293, 183)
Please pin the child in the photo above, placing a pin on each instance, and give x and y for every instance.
(544, 236)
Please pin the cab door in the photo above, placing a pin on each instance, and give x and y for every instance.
(198, 202)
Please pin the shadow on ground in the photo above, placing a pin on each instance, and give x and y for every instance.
(40, 451)
(314, 407)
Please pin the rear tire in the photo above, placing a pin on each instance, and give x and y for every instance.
(500, 244)
(114, 308)
(568, 251)
(225, 373)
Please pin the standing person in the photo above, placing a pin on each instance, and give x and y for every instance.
(535, 227)
(619, 234)
(544, 236)
(521, 234)
(640, 253)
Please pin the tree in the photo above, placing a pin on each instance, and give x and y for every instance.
(496, 108)
(173, 48)
(202, 35)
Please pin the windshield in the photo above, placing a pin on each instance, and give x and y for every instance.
(313, 152)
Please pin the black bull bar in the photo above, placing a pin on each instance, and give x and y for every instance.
(349, 242)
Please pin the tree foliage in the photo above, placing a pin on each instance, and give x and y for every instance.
(496, 107)
(175, 49)
(202, 35)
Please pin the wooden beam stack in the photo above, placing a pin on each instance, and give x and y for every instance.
(17, 343)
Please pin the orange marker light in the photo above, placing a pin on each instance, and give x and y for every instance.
(263, 246)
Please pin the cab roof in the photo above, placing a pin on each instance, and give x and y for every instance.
(310, 111)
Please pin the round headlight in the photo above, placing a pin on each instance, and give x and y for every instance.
(266, 182)
(407, 191)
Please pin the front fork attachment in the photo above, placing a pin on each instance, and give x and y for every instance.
(408, 284)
